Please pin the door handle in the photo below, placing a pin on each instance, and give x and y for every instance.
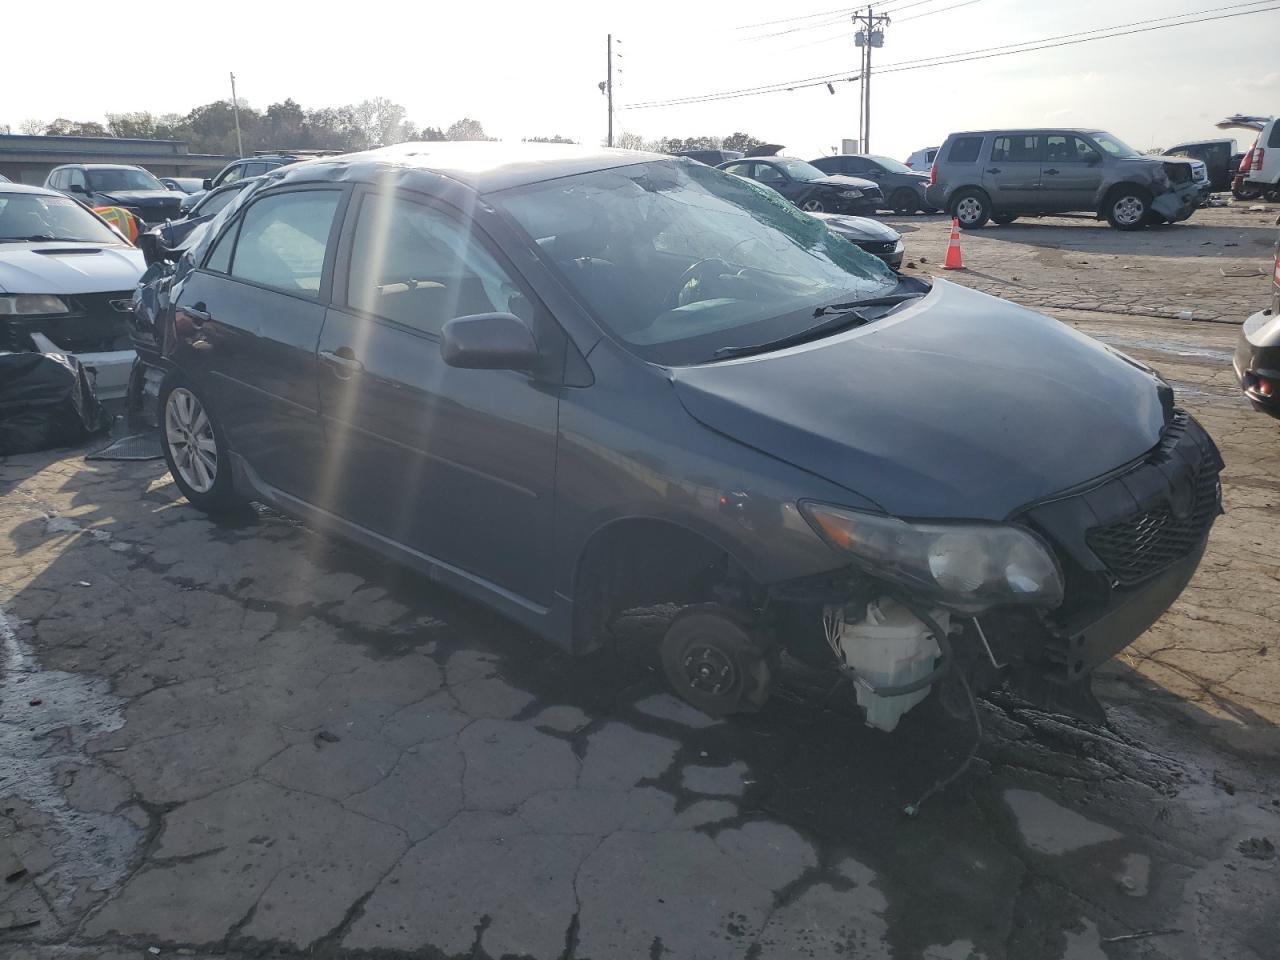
(342, 362)
(1051, 170)
(993, 169)
(198, 312)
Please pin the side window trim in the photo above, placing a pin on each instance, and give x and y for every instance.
(341, 272)
(324, 294)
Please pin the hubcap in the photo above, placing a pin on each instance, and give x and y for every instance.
(813, 206)
(189, 434)
(708, 669)
(969, 210)
(1130, 210)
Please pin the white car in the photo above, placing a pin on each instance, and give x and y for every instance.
(922, 159)
(66, 279)
(1260, 169)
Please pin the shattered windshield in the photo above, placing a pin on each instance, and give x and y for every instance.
(122, 179)
(680, 260)
(35, 216)
(799, 170)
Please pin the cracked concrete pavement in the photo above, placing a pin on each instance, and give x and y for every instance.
(244, 739)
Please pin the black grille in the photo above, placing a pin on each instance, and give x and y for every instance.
(97, 322)
(878, 247)
(1140, 546)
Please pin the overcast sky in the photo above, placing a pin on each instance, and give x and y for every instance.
(528, 69)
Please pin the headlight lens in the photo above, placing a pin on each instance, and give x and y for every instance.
(31, 304)
(851, 194)
(967, 566)
(899, 246)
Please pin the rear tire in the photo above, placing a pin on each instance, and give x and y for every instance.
(1003, 219)
(904, 201)
(712, 661)
(972, 208)
(195, 448)
(1128, 207)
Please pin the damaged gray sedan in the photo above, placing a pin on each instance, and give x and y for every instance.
(571, 382)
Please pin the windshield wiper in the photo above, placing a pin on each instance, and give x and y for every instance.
(845, 318)
(842, 315)
(889, 300)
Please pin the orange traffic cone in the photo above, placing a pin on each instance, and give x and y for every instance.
(954, 260)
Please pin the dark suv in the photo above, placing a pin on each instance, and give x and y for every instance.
(116, 185)
(1003, 174)
(577, 382)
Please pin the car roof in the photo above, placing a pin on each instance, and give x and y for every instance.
(27, 188)
(485, 167)
(1088, 131)
(101, 166)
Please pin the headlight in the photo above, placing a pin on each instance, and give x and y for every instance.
(965, 565)
(31, 304)
(851, 194)
(899, 246)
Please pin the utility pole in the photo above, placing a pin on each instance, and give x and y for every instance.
(870, 34)
(235, 110)
(609, 84)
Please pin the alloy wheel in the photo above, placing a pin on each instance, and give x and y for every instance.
(812, 206)
(188, 431)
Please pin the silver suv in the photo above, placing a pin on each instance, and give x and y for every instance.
(1003, 174)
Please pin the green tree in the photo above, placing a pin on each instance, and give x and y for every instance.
(556, 139)
(137, 126)
(742, 142)
(466, 129)
(63, 127)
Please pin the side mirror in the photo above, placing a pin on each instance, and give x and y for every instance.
(488, 341)
(1093, 160)
(76, 188)
(149, 243)
(208, 183)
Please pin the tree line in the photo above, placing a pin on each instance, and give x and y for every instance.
(739, 141)
(211, 128)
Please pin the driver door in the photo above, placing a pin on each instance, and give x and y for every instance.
(455, 464)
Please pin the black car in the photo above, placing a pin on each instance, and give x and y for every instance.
(244, 169)
(1257, 358)
(116, 185)
(902, 187)
(808, 187)
(570, 384)
(870, 235)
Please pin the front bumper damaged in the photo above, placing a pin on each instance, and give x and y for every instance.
(1179, 202)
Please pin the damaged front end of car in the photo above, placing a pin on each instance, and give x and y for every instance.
(92, 327)
(1036, 604)
(1179, 193)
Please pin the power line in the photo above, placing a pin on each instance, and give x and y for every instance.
(985, 54)
(927, 13)
(843, 11)
(844, 36)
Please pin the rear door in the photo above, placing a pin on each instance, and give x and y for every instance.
(248, 322)
(1070, 174)
(1011, 175)
(455, 464)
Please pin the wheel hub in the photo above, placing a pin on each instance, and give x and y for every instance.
(708, 669)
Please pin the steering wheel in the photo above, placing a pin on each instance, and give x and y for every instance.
(689, 281)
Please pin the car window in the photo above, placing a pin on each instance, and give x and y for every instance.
(50, 216)
(283, 239)
(214, 202)
(931, 154)
(75, 178)
(889, 165)
(769, 175)
(255, 169)
(1112, 145)
(219, 259)
(420, 267)
(964, 150)
(57, 179)
(232, 175)
(1016, 148)
(740, 169)
(123, 178)
(1064, 148)
(1274, 139)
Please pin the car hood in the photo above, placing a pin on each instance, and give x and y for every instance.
(960, 405)
(68, 268)
(858, 228)
(843, 182)
(147, 197)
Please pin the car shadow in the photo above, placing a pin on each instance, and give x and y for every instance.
(1086, 235)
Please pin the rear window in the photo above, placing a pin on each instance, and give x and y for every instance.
(965, 150)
